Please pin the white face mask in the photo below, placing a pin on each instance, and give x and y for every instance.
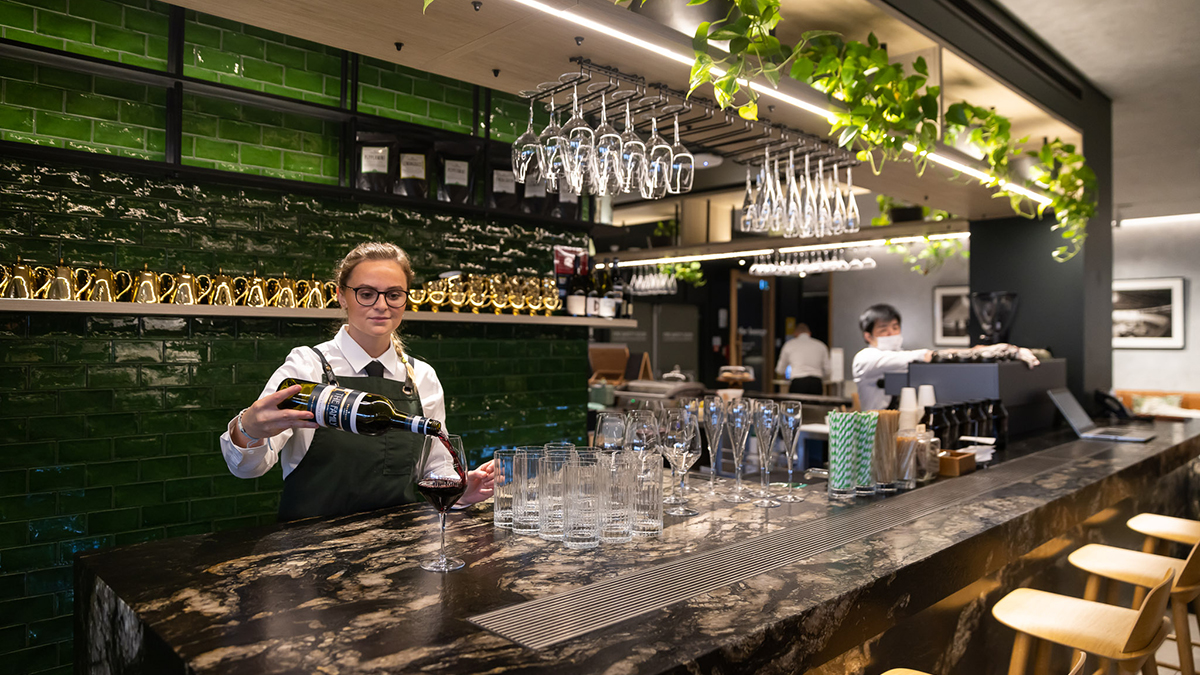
(889, 343)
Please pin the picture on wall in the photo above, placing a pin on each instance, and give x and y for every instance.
(1148, 313)
(951, 313)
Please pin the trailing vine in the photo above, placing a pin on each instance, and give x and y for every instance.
(690, 273)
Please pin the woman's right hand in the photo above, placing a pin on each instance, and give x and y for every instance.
(264, 418)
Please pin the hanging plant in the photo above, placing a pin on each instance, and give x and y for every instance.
(686, 272)
(932, 255)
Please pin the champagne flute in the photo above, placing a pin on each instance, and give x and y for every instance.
(749, 206)
(766, 424)
(691, 416)
(441, 476)
(789, 425)
(739, 416)
(714, 426)
(525, 154)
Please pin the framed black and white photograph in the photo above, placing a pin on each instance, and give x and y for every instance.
(951, 312)
(1148, 313)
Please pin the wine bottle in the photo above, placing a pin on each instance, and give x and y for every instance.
(595, 292)
(616, 290)
(355, 411)
(577, 291)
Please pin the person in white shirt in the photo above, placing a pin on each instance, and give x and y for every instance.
(329, 472)
(880, 325)
(805, 361)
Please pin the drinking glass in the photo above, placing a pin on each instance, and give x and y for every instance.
(824, 212)
(641, 432)
(674, 442)
(794, 213)
(691, 408)
(610, 431)
(683, 166)
(527, 464)
(581, 527)
(766, 424)
(618, 482)
(682, 459)
(632, 169)
(552, 491)
(441, 476)
(749, 206)
(580, 148)
(776, 221)
(525, 154)
(551, 151)
(648, 494)
(789, 425)
(762, 200)
(838, 217)
(608, 155)
(502, 494)
(809, 226)
(658, 164)
(738, 416)
(853, 217)
(714, 426)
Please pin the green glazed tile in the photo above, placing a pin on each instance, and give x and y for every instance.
(143, 62)
(84, 351)
(141, 114)
(29, 352)
(137, 400)
(219, 507)
(138, 494)
(24, 559)
(137, 351)
(86, 401)
(51, 631)
(25, 404)
(57, 427)
(237, 43)
(112, 376)
(140, 536)
(304, 80)
(91, 499)
(54, 529)
(161, 422)
(137, 446)
(187, 397)
(210, 20)
(412, 104)
(54, 124)
(16, 119)
(164, 326)
(97, 10)
(175, 351)
(112, 133)
(151, 23)
(215, 60)
(164, 468)
(56, 377)
(239, 131)
(200, 34)
(428, 90)
(16, 16)
(377, 96)
(210, 464)
(263, 71)
(119, 520)
(120, 39)
(85, 450)
(216, 150)
(259, 502)
(288, 139)
(66, 27)
(164, 376)
(401, 84)
(199, 442)
(188, 489)
(259, 156)
(107, 426)
(262, 116)
(34, 38)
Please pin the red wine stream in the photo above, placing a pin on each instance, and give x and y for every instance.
(444, 492)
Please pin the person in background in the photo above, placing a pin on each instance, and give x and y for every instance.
(805, 361)
(327, 472)
(880, 326)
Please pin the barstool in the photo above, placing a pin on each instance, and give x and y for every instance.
(1129, 637)
(1144, 570)
(1076, 668)
(1158, 528)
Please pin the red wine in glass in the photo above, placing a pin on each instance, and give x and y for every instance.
(441, 477)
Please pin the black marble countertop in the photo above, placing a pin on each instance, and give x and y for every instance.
(345, 595)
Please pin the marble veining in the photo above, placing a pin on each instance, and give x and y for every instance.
(345, 595)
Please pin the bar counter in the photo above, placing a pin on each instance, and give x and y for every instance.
(345, 595)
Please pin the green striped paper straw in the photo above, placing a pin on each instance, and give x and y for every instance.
(841, 454)
(864, 446)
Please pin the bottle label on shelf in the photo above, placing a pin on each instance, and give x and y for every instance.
(374, 160)
(593, 306)
(456, 172)
(577, 305)
(608, 308)
(536, 190)
(567, 197)
(335, 407)
(412, 166)
(504, 182)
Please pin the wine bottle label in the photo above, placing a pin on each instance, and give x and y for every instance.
(335, 407)
(608, 308)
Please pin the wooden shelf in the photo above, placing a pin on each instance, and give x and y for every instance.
(165, 309)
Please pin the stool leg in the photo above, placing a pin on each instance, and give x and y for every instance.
(1020, 653)
(1183, 636)
(1041, 662)
(1092, 590)
(1149, 545)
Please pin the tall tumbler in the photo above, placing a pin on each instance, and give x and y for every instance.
(843, 440)
(527, 465)
(908, 452)
(618, 485)
(502, 493)
(648, 505)
(581, 527)
(552, 492)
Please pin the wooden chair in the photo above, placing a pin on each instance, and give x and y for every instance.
(1144, 570)
(1076, 667)
(1158, 530)
(1129, 637)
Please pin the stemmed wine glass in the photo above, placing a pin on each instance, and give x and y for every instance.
(551, 151)
(853, 218)
(525, 154)
(714, 426)
(658, 170)
(677, 442)
(766, 423)
(683, 166)
(607, 179)
(795, 207)
(739, 416)
(632, 168)
(441, 476)
(610, 432)
(789, 425)
(824, 213)
(809, 228)
(641, 432)
(691, 416)
(749, 206)
(839, 206)
(580, 148)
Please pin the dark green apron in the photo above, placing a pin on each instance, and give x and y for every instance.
(347, 473)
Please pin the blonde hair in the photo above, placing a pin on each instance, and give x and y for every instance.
(375, 250)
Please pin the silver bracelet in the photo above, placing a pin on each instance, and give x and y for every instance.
(243, 429)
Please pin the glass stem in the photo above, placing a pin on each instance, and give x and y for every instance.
(442, 530)
(791, 460)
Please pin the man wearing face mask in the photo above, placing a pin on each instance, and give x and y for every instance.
(880, 326)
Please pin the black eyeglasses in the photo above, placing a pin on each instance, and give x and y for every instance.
(367, 296)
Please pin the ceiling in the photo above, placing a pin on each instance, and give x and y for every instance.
(1145, 56)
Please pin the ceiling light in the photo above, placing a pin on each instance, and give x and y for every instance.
(742, 255)
(579, 20)
(1162, 220)
(694, 258)
(980, 175)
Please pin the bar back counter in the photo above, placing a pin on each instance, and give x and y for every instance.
(859, 588)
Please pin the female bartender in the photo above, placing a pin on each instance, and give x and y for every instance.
(328, 472)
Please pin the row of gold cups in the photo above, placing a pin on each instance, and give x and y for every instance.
(63, 282)
(497, 292)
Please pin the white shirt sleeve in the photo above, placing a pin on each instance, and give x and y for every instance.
(433, 397)
(255, 461)
(784, 357)
(871, 363)
(826, 369)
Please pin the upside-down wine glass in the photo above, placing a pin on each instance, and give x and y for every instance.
(766, 423)
(779, 206)
(525, 154)
(839, 205)
(607, 174)
(441, 476)
(749, 206)
(632, 169)
(683, 166)
(824, 212)
(714, 426)
(794, 214)
(739, 415)
(658, 171)
(789, 425)
(551, 149)
(809, 228)
(853, 218)
(581, 147)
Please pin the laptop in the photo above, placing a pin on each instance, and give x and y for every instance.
(1083, 425)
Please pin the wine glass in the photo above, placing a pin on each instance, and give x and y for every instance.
(809, 226)
(683, 166)
(641, 432)
(824, 213)
(853, 217)
(776, 222)
(607, 174)
(766, 424)
(682, 458)
(839, 206)
(691, 416)
(632, 169)
(794, 214)
(441, 476)
(525, 154)
(580, 148)
(658, 170)
(714, 426)
(739, 416)
(789, 425)
(551, 151)
(762, 200)
(749, 206)
(610, 431)
(675, 442)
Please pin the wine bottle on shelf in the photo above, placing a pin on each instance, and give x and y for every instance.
(355, 411)
(577, 291)
(616, 290)
(595, 292)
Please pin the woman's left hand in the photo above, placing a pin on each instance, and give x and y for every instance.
(479, 484)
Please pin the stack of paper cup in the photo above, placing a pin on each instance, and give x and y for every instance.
(910, 414)
(925, 398)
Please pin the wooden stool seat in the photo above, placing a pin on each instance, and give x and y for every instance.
(1076, 668)
(1132, 567)
(1091, 627)
(1178, 530)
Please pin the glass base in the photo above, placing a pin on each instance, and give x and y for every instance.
(440, 564)
(865, 490)
(841, 493)
(766, 503)
(736, 498)
(791, 498)
(682, 511)
(674, 500)
(761, 493)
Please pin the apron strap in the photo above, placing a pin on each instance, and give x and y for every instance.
(330, 378)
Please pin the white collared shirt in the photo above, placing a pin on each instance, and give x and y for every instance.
(347, 359)
(807, 356)
(870, 364)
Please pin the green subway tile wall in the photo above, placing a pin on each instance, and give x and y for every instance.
(225, 51)
(393, 91)
(129, 31)
(109, 424)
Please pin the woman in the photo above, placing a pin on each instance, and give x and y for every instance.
(329, 472)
